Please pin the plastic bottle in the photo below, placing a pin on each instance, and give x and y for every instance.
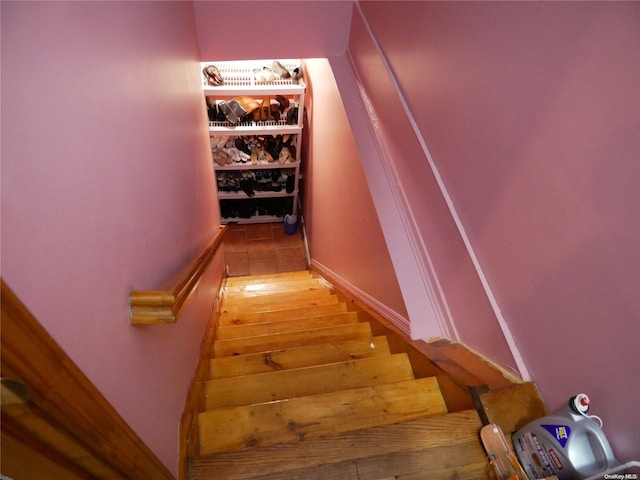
(569, 444)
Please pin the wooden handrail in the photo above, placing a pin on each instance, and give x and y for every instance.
(149, 307)
(67, 422)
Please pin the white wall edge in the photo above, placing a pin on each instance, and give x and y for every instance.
(424, 264)
(423, 311)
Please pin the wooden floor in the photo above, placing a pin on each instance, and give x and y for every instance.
(263, 248)
(303, 383)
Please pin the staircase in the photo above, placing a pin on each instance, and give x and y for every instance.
(300, 387)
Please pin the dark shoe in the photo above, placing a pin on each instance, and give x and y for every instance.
(242, 146)
(283, 102)
(212, 112)
(247, 185)
(291, 183)
(292, 116)
(296, 75)
(275, 111)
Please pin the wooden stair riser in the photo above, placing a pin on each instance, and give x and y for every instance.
(440, 463)
(244, 318)
(299, 357)
(295, 419)
(253, 330)
(432, 432)
(266, 387)
(279, 341)
(284, 304)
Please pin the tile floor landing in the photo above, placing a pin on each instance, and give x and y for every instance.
(260, 248)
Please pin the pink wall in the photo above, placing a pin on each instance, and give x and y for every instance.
(458, 300)
(345, 238)
(107, 187)
(247, 30)
(531, 112)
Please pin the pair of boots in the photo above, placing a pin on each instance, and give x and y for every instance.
(238, 108)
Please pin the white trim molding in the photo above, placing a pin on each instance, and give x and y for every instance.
(400, 322)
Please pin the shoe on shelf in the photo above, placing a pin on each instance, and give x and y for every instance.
(265, 109)
(263, 75)
(296, 75)
(283, 102)
(285, 155)
(279, 70)
(212, 76)
(292, 116)
(238, 108)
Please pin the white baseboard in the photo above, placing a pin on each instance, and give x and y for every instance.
(399, 321)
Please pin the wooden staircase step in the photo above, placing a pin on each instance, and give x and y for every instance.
(241, 318)
(279, 341)
(269, 278)
(299, 357)
(291, 301)
(373, 448)
(273, 287)
(234, 428)
(255, 329)
(314, 380)
(274, 297)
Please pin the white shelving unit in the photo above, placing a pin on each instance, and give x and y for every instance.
(252, 189)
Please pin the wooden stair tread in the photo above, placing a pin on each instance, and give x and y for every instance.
(292, 301)
(270, 288)
(297, 357)
(278, 341)
(266, 328)
(314, 380)
(269, 278)
(234, 428)
(365, 445)
(242, 318)
(240, 301)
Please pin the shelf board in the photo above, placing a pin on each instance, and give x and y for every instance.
(239, 79)
(258, 89)
(222, 128)
(251, 166)
(243, 196)
(254, 219)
